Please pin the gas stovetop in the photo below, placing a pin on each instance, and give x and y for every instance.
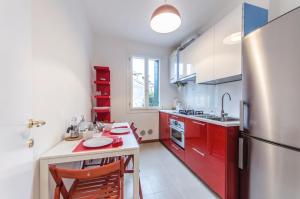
(190, 112)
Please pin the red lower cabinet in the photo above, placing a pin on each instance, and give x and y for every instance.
(179, 152)
(164, 129)
(196, 161)
(222, 145)
(216, 145)
(196, 146)
(211, 152)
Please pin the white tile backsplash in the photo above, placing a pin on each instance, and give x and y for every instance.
(231, 107)
(208, 97)
(199, 97)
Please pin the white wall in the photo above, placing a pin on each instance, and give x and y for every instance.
(61, 46)
(115, 52)
(208, 97)
(260, 3)
(279, 7)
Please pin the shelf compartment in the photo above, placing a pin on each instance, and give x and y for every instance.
(102, 73)
(101, 109)
(102, 102)
(101, 68)
(102, 82)
(103, 89)
(102, 96)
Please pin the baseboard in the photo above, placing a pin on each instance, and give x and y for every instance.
(150, 141)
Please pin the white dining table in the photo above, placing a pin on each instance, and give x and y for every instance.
(62, 153)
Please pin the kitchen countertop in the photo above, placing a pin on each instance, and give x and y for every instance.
(225, 124)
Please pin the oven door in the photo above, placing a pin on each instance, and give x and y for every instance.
(177, 136)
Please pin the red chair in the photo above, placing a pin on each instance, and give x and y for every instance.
(129, 158)
(102, 182)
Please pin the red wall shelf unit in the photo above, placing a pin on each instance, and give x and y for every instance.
(102, 96)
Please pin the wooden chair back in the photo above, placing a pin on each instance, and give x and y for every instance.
(113, 172)
(136, 135)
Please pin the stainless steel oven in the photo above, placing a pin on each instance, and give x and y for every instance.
(177, 132)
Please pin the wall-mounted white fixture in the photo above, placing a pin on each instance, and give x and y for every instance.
(232, 39)
(165, 19)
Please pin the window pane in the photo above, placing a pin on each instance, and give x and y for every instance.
(153, 82)
(138, 82)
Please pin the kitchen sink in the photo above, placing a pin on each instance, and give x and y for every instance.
(226, 119)
(206, 116)
(217, 118)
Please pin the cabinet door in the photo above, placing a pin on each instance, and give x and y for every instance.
(196, 134)
(204, 61)
(196, 146)
(173, 67)
(164, 130)
(179, 152)
(191, 53)
(227, 51)
(216, 149)
(187, 61)
(182, 64)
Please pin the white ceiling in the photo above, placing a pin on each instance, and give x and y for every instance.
(130, 18)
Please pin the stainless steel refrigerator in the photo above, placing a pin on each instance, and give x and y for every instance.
(269, 143)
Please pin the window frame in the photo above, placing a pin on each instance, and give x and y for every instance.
(146, 91)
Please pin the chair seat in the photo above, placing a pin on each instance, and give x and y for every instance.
(98, 188)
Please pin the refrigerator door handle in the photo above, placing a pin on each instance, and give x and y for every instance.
(241, 153)
(242, 114)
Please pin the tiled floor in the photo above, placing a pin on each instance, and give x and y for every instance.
(164, 177)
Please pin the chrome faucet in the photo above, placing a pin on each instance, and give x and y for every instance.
(223, 114)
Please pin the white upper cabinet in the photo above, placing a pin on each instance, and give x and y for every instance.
(216, 55)
(173, 64)
(203, 57)
(186, 62)
(227, 45)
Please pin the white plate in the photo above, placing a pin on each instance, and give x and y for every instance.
(120, 125)
(120, 130)
(97, 142)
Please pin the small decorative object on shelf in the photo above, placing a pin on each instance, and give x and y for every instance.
(101, 111)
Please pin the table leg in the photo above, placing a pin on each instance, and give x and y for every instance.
(44, 180)
(136, 175)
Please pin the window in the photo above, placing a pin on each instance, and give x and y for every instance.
(144, 83)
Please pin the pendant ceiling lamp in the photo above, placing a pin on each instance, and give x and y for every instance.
(165, 19)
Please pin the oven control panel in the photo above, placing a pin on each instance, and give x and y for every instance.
(177, 124)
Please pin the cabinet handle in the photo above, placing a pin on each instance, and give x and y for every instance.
(199, 152)
(202, 124)
(174, 147)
